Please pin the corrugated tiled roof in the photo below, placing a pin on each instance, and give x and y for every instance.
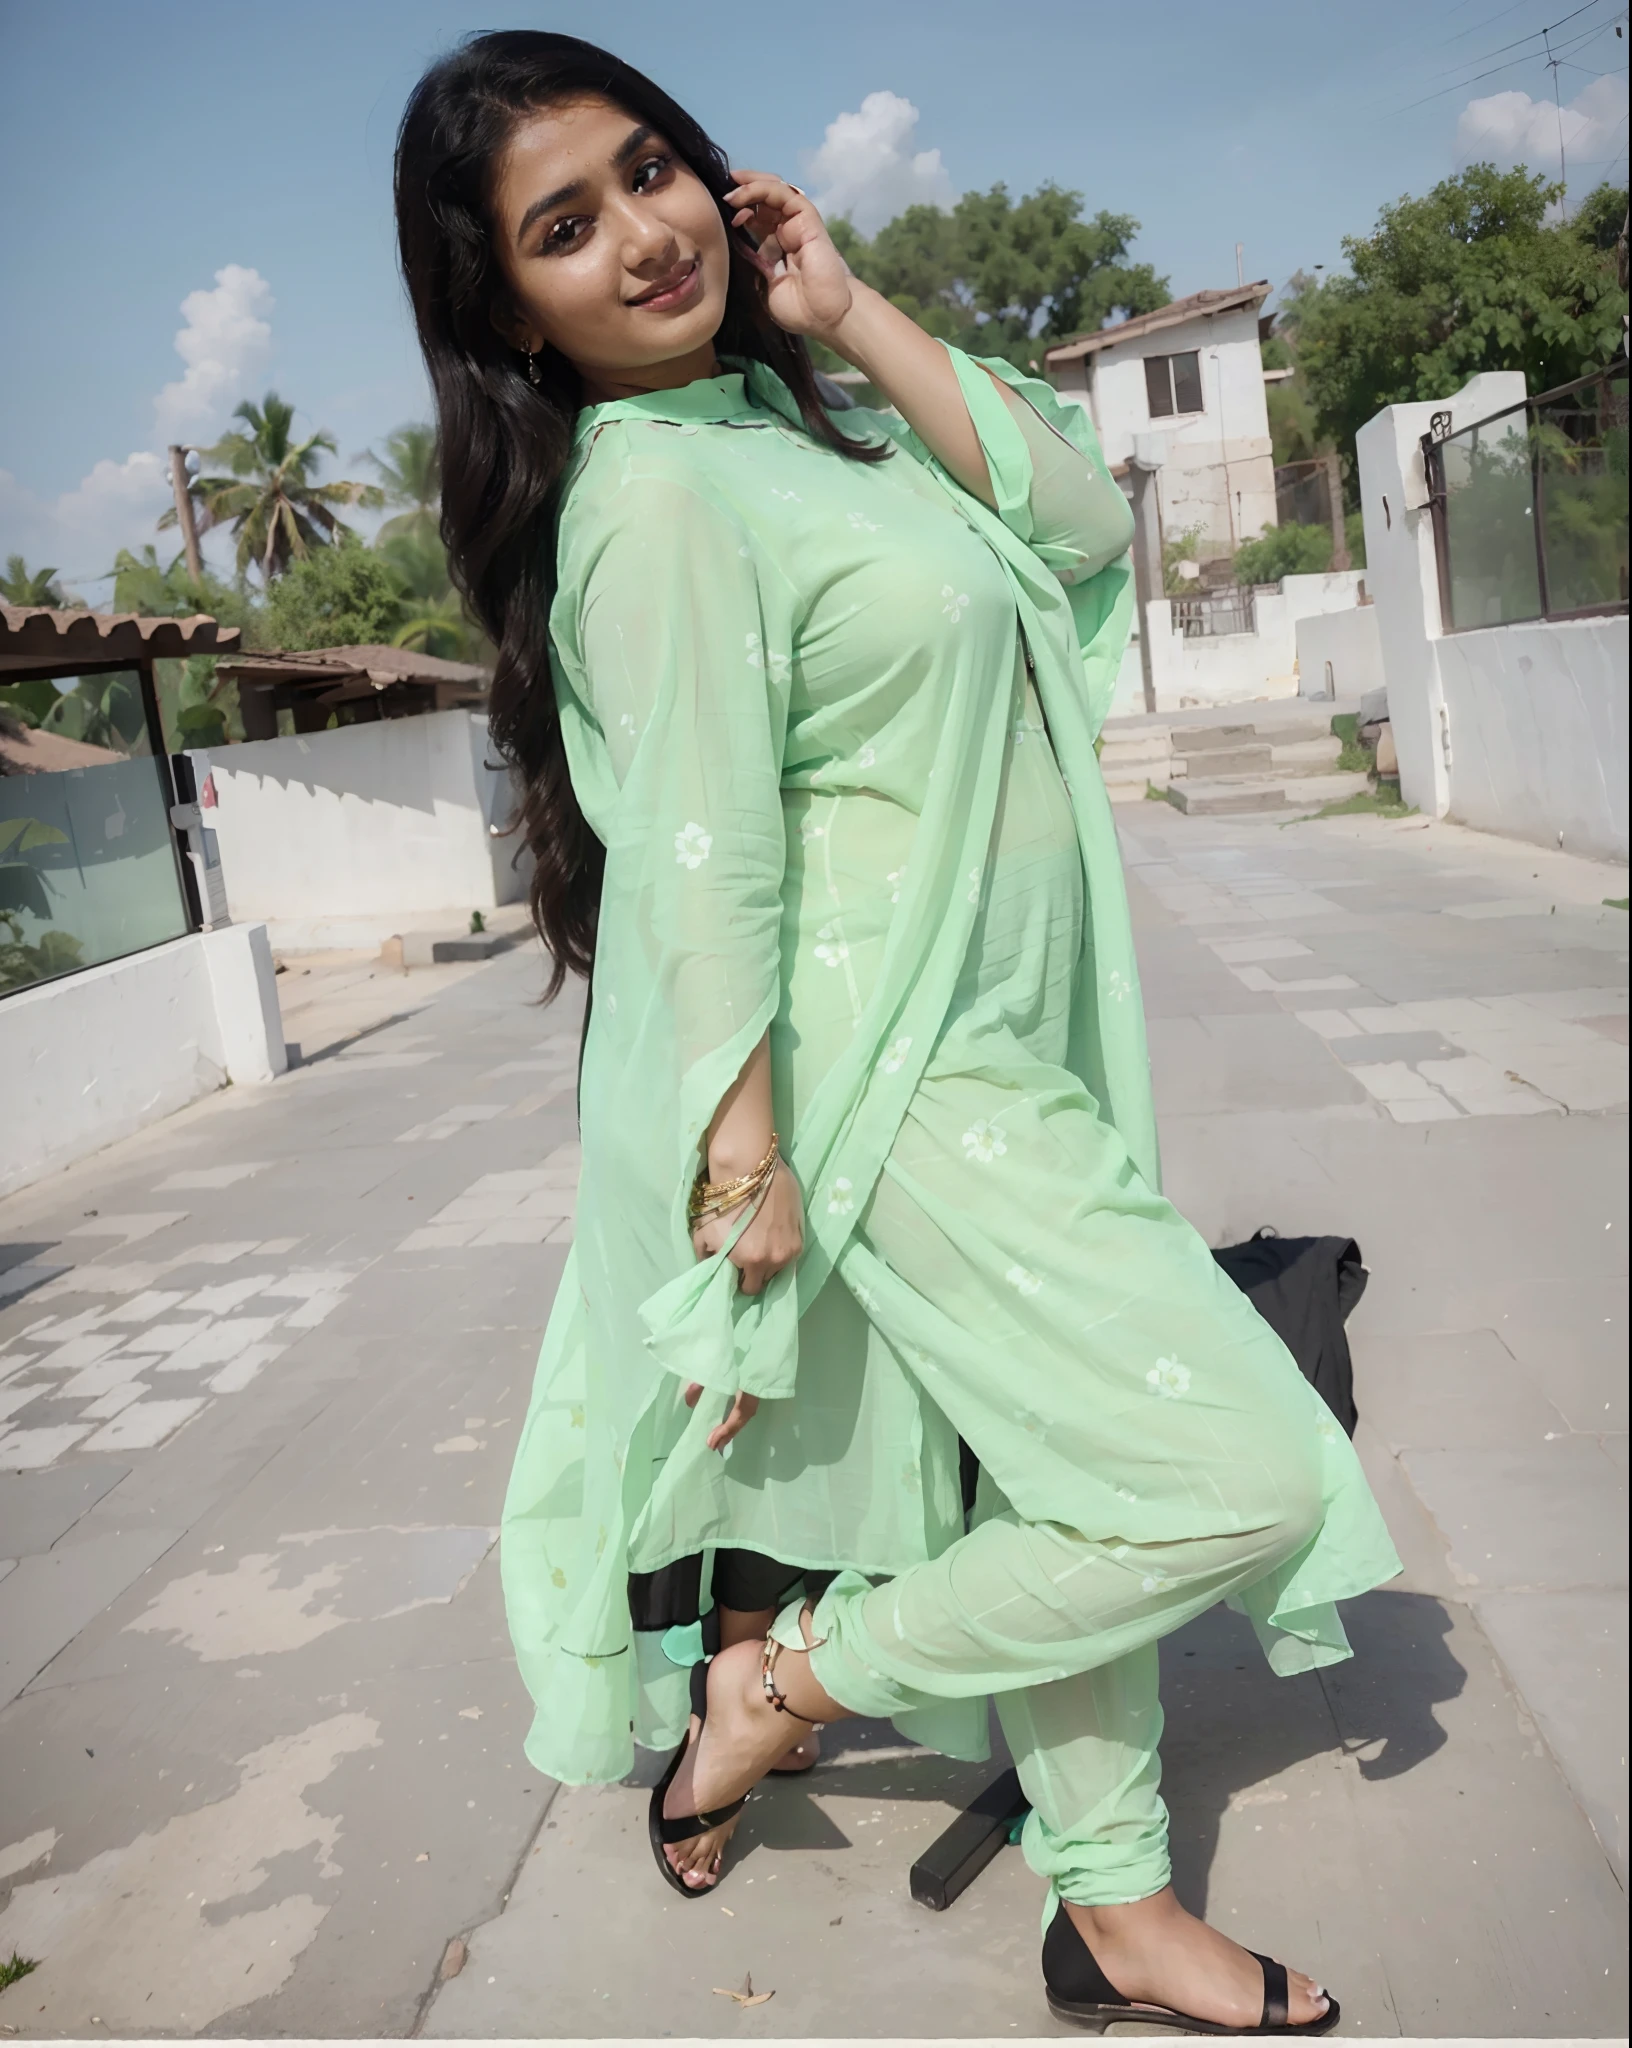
(32, 634)
(1173, 315)
(379, 665)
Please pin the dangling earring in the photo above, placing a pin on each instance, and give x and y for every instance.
(532, 369)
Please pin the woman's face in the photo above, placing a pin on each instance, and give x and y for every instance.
(614, 251)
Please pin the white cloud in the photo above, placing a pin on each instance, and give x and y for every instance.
(225, 339)
(1511, 128)
(80, 531)
(867, 169)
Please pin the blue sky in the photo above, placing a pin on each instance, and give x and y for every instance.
(149, 149)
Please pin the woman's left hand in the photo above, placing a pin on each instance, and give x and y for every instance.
(807, 282)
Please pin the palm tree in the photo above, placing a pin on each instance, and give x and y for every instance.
(270, 496)
(434, 620)
(23, 586)
(411, 473)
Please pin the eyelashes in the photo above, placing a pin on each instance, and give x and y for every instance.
(563, 236)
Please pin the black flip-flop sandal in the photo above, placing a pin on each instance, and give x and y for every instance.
(1079, 1991)
(666, 1833)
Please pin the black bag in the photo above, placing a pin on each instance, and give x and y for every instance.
(1305, 1288)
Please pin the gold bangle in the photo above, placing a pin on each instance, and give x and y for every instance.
(711, 1198)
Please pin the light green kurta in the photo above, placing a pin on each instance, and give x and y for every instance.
(796, 705)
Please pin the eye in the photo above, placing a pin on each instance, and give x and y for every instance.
(564, 234)
(650, 172)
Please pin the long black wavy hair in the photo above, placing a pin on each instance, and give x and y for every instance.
(504, 441)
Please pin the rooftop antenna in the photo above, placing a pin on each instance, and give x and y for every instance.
(1240, 273)
(1558, 106)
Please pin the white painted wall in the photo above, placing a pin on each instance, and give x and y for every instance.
(1218, 470)
(96, 1055)
(1516, 729)
(1242, 668)
(1402, 578)
(343, 837)
(1339, 653)
(1538, 732)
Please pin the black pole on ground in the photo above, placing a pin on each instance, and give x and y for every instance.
(956, 1858)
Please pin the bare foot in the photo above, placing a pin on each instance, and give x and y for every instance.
(1156, 1953)
(744, 1738)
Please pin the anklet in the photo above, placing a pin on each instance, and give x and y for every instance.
(770, 1688)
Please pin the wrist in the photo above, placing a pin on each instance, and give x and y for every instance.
(847, 336)
(729, 1158)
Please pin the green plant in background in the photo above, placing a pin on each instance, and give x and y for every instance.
(25, 890)
(100, 711)
(1004, 276)
(478, 923)
(1185, 546)
(1355, 758)
(432, 616)
(29, 702)
(1289, 550)
(1472, 276)
(18, 1966)
(22, 585)
(269, 494)
(410, 473)
(347, 595)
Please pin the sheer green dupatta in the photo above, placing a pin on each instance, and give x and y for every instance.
(1061, 528)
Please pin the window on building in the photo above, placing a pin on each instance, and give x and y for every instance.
(1173, 384)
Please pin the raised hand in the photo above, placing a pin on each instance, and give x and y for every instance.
(807, 282)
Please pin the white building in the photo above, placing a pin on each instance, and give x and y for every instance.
(1189, 375)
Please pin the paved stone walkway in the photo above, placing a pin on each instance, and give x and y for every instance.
(261, 1372)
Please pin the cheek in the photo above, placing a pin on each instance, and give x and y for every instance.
(576, 297)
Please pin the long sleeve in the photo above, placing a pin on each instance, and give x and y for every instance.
(1048, 476)
(673, 641)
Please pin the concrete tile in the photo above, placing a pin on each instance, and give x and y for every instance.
(144, 1425)
(49, 1598)
(1567, 1654)
(1238, 952)
(1453, 1389)
(1484, 1090)
(1413, 1047)
(31, 1450)
(1236, 1063)
(1553, 1516)
(1402, 1091)
(1262, 982)
(36, 1508)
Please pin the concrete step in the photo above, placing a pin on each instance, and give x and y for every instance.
(1253, 759)
(1219, 796)
(1135, 749)
(1194, 739)
(1305, 757)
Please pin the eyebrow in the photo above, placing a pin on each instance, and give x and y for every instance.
(631, 146)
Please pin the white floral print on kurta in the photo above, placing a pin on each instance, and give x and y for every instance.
(830, 947)
(984, 1141)
(895, 878)
(867, 758)
(1168, 1378)
(1023, 1280)
(895, 1056)
(693, 845)
(1154, 1579)
(1118, 985)
(974, 885)
(957, 603)
(841, 1197)
(809, 830)
(861, 523)
(759, 656)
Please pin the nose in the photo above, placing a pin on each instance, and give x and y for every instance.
(648, 242)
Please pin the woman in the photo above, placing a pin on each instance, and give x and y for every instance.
(805, 712)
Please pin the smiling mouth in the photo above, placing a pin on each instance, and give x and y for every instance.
(674, 289)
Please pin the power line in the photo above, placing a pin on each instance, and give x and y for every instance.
(1513, 63)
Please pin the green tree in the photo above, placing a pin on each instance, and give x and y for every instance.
(432, 619)
(341, 596)
(1471, 277)
(269, 494)
(194, 709)
(1006, 276)
(102, 711)
(1290, 550)
(25, 586)
(410, 472)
